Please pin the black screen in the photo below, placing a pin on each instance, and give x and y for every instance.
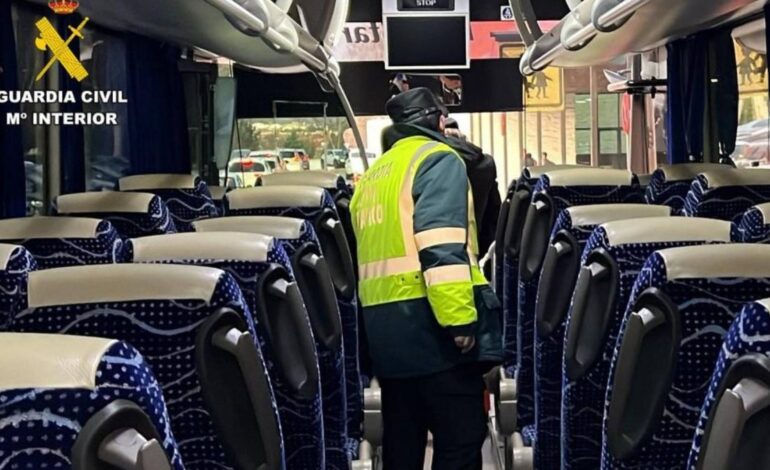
(438, 41)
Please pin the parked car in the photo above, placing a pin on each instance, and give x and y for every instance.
(296, 159)
(246, 171)
(335, 158)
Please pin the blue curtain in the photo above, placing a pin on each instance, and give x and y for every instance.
(687, 74)
(724, 91)
(156, 109)
(72, 144)
(12, 178)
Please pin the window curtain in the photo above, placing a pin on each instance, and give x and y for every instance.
(12, 184)
(156, 108)
(686, 92)
(72, 161)
(723, 94)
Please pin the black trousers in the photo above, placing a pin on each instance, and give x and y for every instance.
(450, 405)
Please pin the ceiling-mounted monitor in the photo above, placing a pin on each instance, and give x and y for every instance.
(426, 34)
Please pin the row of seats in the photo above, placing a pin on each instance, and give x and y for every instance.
(254, 344)
(592, 373)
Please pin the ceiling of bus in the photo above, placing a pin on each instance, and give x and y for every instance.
(187, 23)
(655, 24)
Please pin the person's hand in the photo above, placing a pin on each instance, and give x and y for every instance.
(465, 343)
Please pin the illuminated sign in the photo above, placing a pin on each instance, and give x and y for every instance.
(426, 5)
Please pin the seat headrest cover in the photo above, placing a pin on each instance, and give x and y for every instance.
(535, 172)
(163, 181)
(731, 177)
(321, 179)
(202, 246)
(217, 192)
(104, 202)
(283, 228)
(599, 214)
(667, 229)
(275, 196)
(764, 209)
(717, 261)
(764, 303)
(121, 283)
(590, 177)
(6, 251)
(28, 228)
(688, 171)
(50, 361)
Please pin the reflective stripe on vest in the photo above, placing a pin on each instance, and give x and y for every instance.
(389, 263)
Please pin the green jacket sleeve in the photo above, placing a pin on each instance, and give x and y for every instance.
(440, 193)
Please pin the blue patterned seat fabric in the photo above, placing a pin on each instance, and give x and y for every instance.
(628, 244)
(132, 214)
(41, 423)
(187, 197)
(754, 225)
(577, 223)
(157, 309)
(727, 194)
(57, 242)
(592, 186)
(309, 204)
(670, 184)
(295, 235)
(748, 334)
(247, 258)
(15, 266)
(708, 288)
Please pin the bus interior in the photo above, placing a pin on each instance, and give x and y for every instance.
(179, 269)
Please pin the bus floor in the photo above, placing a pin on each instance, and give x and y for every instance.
(486, 452)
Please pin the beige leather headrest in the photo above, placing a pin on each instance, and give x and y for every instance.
(6, 251)
(590, 177)
(667, 229)
(764, 209)
(644, 180)
(121, 283)
(599, 214)
(231, 246)
(28, 228)
(688, 171)
(164, 181)
(104, 201)
(717, 261)
(318, 178)
(217, 192)
(535, 172)
(30, 360)
(275, 196)
(733, 177)
(282, 228)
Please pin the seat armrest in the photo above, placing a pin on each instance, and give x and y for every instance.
(507, 404)
(373, 426)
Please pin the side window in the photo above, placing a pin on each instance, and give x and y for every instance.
(752, 146)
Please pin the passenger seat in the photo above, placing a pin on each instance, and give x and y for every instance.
(669, 184)
(682, 304)
(196, 332)
(187, 197)
(64, 241)
(262, 269)
(82, 403)
(312, 272)
(560, 270)
(15, 265)
(754, 225)
(726, 194)
(218, 198)
(132, 214)
(611, 261)
(554, 192)
(316, 206)
(732, 429)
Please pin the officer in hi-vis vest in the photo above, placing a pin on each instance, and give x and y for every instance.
(432, 320)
